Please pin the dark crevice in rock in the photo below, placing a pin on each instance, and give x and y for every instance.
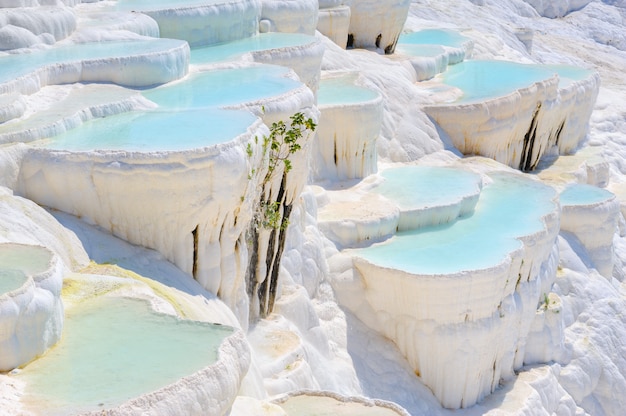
(526, 163)
(194, 267)
(350, 43)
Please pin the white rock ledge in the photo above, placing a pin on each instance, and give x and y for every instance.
(347, 131)
(433, 316)
(326, 402)
(31, 316)
(334, 23)
(592, 214)
(203, 23)
(377, 24)
(141, 69)
(519, 128)
(160, 200)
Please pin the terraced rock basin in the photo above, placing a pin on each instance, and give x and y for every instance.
(320, 403)
(432, 50)
(434, 288)
(200, 22)
(591, 214)
(334, 21)
(302, 53)
(31, 312)
(514, 113)
(137, 63)
(270, 92)
(349, 125)
(430, 195)
(119, 355)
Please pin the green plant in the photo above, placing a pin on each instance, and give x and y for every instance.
(282, 142)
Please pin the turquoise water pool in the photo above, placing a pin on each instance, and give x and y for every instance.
(18, 261)
(232, 50)
(342, 90)
(155, 131)
(443, 37)
(568, 74)
(18, 65)
(582, 194)
(423, 186)
(114, 349)
(481, 80)
(224, 87)
(508, 208)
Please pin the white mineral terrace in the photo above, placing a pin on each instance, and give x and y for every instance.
(376, 24)
(199, 22)
(300, 52)
(137, 273)
(136, 63)
(430, 51)
(311, 403)
(515, 113)
(398, 198)
(591, 214)
(30, 303)
(349, 125)
(128, 358)
(407, 282)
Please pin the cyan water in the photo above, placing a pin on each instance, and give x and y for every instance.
(508, 208)
(156, 130)
(419, 50)
(582, 194)
(568, 74)
(222, 87)
(114, 349)
(18, 65)
(263, 41)
(17, 262)
(482, 80)
(342, 90)
(411, 187)
(443, 37)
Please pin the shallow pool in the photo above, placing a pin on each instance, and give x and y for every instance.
(155, 131)
(413, 187)
(582, 194)
(263, 41)
(114, 349)
(508, 208)
(222, 87)
(342, 90)
(18, 262)
(18, 65)
(420, 50)
(481, 80)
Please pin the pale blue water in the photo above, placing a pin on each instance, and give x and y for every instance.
(155, 131)
(342, 90)
(260, 42)
(114, 349)
(480, 80)
(443, 37)
(420, 50)
(423, 186)
(18, 65)
(11, 279)
(582, 194)
(17, 262)
(568, 74)
(508, 208)
(147, 5)
(224, 87)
